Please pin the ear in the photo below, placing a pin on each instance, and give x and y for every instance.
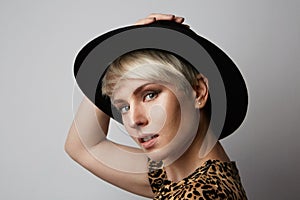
(201, 90)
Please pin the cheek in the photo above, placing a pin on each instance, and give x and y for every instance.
(157, 116)
(182, 116)
(174, 112)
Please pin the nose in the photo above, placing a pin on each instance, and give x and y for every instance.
(137, 116)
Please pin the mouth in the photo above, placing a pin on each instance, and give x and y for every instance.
(148, 141)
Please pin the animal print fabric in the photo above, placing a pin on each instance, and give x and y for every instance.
(213, 180)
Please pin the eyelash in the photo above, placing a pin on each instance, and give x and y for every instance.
(123, 107)
(154, 93)
(127, 107)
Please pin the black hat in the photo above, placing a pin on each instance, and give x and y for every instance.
(227, 88)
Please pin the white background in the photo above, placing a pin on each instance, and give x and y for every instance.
(38, 44)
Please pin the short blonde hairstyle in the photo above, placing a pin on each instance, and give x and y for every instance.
(163, 66)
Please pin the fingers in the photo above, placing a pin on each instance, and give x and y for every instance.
(157, 16)
(160, 16)
(145, 21)
(179, 20)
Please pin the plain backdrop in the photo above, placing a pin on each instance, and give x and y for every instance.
(38, 44)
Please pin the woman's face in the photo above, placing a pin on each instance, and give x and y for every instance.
(161, 119)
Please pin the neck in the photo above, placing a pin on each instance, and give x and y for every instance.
(191, 159)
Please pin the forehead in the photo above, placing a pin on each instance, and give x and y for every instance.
(127, 87)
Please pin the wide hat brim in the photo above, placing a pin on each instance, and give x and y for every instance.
(228, 92)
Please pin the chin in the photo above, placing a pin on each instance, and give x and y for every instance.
(161, 154)
(156, 156)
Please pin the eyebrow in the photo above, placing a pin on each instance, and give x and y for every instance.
(137, 90)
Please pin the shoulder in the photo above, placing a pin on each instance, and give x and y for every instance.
(214, 179)
(220, 179)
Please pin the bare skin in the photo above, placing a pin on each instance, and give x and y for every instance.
(133, 182)
(190, 160)
(156, 16)
(136, 183)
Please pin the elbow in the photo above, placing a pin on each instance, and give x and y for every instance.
(69, 150)
(71, 147)
(72, 151)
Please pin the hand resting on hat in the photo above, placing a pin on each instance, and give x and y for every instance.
(158, 16)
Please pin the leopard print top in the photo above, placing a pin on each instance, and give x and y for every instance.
(213, 180)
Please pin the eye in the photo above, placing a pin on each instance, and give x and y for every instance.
(124, 109)
(150, 96)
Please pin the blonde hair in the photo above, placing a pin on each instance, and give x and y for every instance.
(150, 64)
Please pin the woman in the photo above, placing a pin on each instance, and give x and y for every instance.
(166, 106)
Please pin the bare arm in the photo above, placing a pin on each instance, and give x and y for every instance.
(86, 143)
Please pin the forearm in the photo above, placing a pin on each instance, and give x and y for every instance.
(88, 129)
(87, 145)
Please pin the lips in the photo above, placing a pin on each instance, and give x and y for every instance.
(148, 141)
